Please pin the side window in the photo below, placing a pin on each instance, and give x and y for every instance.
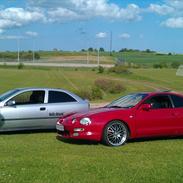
(59, 97)
(30, 97)
(177, 100)
(159, 102)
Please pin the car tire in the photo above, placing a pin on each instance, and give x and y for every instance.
(115, 133)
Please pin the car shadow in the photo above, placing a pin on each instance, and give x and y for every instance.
(147, 139)
(88, 142)
(77, 142)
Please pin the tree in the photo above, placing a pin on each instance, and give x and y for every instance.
(123, 50)
(90, 49)
(101, 50)
(148, 50)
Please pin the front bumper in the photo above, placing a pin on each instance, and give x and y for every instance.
(77, 132)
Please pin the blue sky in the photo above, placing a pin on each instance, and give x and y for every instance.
(77, 24)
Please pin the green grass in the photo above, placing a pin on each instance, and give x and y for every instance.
(69, 79)
(40, 158)
(160, 77)
(141, 58)
(148, 59)
(82, 78)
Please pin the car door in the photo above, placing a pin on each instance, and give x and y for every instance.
(178, 113)
(25, 110)
(158, 120)
(58, 104)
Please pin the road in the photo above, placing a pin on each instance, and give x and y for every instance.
(57, 64)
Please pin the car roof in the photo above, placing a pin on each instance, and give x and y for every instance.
(39, 88)
(168, 92)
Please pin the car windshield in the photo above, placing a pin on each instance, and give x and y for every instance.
(8, 94)
(127, 101)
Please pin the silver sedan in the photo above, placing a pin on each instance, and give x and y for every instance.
(37, 108)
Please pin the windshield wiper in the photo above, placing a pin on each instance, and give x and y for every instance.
(114, 106)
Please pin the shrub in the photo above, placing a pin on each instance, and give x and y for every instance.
(85, 94)
(164, 65)
(116, 88)
(96, 93)
(160, 65)
(175, 65)
(157, 66)
(103, 84)
(20, 66)
(119, 69)
(37, 56)
(100, 69)
(92, 93)
(110, 86)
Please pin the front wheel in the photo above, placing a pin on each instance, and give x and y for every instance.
(115, 133)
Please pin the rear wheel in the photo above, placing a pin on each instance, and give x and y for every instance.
(115, 133)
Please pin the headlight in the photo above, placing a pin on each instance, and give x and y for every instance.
(85, 121)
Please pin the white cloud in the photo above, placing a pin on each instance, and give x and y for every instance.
(161, 9)
(73, 9)
(17, 17)
(11, 37)
(32, 34)
(125, 36)
(61, 15)
(65, 10)
(174, 22)
(171, 8)
(101, 35)
(178, 4)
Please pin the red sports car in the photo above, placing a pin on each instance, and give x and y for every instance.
(131, 116)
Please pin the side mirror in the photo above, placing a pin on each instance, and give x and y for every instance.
(10, 103)
(145, 107)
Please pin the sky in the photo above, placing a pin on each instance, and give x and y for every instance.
(79, 24)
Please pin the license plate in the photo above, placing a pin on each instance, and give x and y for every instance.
(60, 127)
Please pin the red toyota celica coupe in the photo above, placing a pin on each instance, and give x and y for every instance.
(131, 116)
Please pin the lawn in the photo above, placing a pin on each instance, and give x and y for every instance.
(41, 158)
(77, 79)
(141, 58)
(148, 59)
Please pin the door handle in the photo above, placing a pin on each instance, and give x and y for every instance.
(42, 108)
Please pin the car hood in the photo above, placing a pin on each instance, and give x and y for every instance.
(96, 111)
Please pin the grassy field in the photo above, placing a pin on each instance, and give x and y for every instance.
(149, 58)
(76, 79)
(137, 57)
(141, 58)
(41, 158)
